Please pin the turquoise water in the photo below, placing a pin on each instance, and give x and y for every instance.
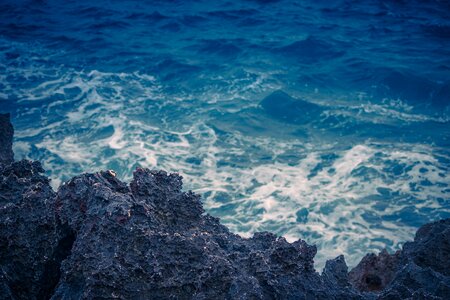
(326, 121)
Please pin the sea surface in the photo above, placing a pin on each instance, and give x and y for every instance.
(327, 121)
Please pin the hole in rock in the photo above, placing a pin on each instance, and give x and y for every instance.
(52, 271)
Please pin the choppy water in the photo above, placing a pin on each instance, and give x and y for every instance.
(176, 85)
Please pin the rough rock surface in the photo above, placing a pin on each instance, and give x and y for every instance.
(151, 240)
(30, 234)
(100, 238)
(424, 266)
(421, 270)
(431, 247)
(375, 272)
(6, 139)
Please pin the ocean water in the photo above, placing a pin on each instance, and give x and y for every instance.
(327, 121)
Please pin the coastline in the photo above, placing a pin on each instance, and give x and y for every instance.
(100, 237)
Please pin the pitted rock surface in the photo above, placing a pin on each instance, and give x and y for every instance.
(6, 139)
(375, 272)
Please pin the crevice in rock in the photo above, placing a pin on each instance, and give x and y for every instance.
(52, 269)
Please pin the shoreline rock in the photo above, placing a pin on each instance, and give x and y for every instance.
(6, 139)
(98, 237)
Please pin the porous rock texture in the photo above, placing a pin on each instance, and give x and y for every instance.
(375, 272)
(100, 238)
(6, 139)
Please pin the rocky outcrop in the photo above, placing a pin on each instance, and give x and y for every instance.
(420, 269)
(151, 240)
(101, 238)
(375, 272)
(424, 266)
(431, 247)
(31, 237)
(6, 139)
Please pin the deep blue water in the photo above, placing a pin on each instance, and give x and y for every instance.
(351, 152)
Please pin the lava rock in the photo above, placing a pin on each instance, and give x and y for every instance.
(5, 291)
(431, 247)
(425, 265)
(419, 271)
(6, 139)
(335, 273)
(375, 272)
(414, 282)
(30, 233)
(151, 240)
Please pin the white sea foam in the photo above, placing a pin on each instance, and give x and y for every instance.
(335, 200)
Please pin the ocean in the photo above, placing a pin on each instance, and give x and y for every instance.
(327, 121)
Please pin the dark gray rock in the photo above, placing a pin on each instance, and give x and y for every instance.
(30, 234)
(6, 139)
(375, 272)
(414, 282)
(5, 291)
(419, 271)
(424, 268)
(431, 247)
(32, 241)
(335, 274)
(151, 240)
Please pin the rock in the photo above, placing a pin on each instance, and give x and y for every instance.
(32, 240)
(375, 272)
(425, 265)
(5, 291)
(335, 273)
(431, 247)
(6, 139)
(414, 282)
(151, 240)
(419, 271)
(31, 237)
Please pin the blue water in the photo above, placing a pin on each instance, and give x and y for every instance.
(326, 121)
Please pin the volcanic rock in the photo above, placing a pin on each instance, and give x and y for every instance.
(375, 272)
(31, 237)
(6, 139)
